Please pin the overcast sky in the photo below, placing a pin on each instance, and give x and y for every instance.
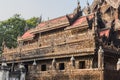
(31, 8)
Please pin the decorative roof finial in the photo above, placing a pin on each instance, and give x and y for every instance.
(39, 20)
(48, 23)
(88, 8)
(78, 7)
(87, 3)
(78, 2)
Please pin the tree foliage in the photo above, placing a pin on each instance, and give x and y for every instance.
(13, 27)
(32, 22)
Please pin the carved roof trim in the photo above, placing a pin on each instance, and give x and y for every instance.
(44, 29)
(94, 4)
(81, 22)
(53, 21)
(114, 3)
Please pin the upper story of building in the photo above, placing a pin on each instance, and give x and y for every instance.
(59, 35)
(81, 31)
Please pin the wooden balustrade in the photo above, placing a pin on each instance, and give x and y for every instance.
(58, 49)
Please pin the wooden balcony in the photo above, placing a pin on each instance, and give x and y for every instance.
(57, 44)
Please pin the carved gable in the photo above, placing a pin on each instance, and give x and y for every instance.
(113, 3)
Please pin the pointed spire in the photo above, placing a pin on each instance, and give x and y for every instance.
(48, 23)
(39, 20)
(88, 8)
(88, 3)
(78, 6)
(78, 2)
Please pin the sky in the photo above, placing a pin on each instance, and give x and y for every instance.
(35, 8)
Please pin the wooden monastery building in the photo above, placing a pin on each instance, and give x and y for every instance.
(83, 45)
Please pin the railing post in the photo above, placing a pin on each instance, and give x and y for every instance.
(118, 65)
(4, 72)
(101, 62)
(100, 58)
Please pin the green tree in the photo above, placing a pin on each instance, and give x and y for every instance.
(10, 29)
(13, 27)
(32, 22)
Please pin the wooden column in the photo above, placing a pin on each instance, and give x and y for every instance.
(118, 65)
(100, 58)
(101, 62)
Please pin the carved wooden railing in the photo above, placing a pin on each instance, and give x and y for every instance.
(59, 50)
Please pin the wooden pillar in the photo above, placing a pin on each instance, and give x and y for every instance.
(22, 72)
(118, 65)
(101, 62)
(72, 59)
(53, 64)
(4, 72)
(100, 58)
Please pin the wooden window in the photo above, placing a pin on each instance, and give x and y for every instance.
(26, 67)
(73, 63)
(43, 67)
(61, 66)
(81, 64)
